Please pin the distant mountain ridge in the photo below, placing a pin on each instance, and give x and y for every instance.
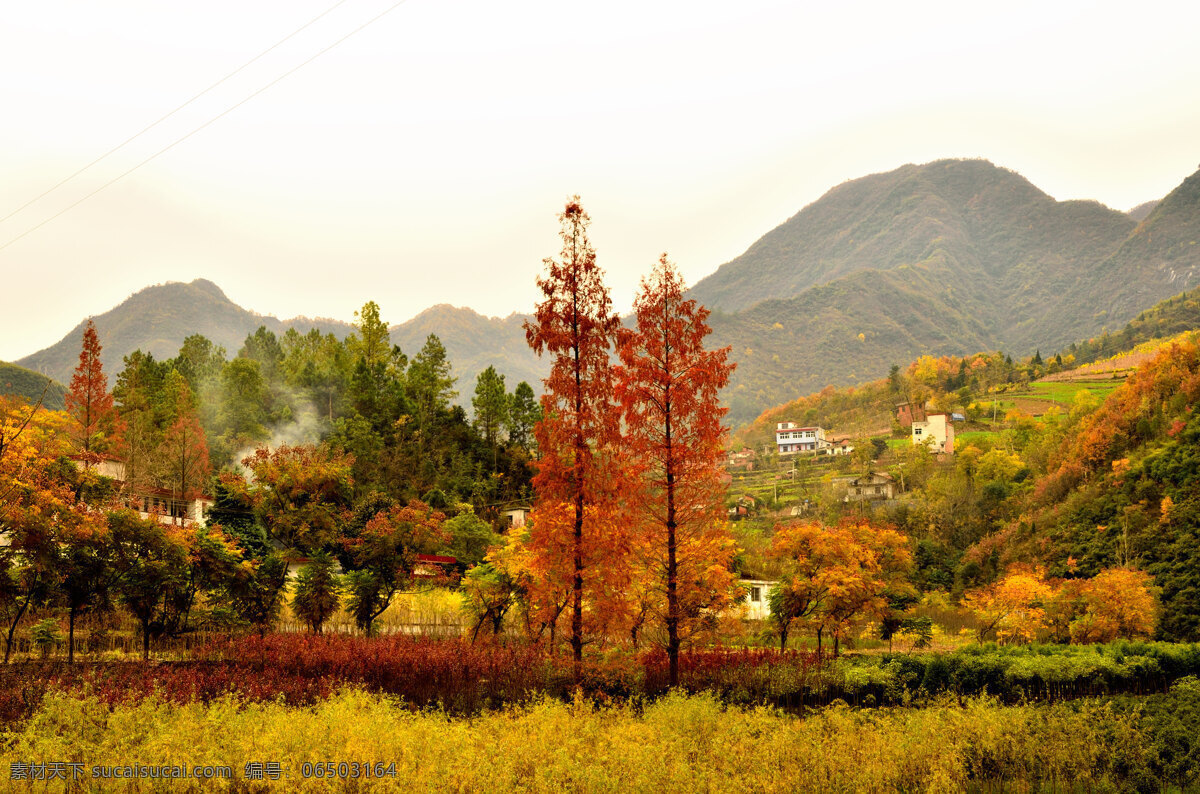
(951, 257)
(1143, 210)
(474, 343)
(157, 319)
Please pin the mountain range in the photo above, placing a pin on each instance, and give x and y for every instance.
(157, 319)
(950, 257)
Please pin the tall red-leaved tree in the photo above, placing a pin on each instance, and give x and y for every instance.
(575, 324)
(667, 387)
(183, 460)
(94, 420)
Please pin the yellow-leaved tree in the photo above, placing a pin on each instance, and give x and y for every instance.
(1118, 603)
(1014, 607)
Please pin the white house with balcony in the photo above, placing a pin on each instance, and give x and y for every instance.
(790, 439)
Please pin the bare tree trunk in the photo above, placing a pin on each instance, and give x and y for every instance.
(577, 586)
(71, 636)
(478, 626)
(581, 449)
(13, 627)
(672, 586)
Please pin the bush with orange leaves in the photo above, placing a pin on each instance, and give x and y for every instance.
(1118, 603)
(1013, 607)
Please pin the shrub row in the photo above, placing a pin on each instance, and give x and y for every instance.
(462, 678)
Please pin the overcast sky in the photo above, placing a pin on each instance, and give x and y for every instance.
(424, 159)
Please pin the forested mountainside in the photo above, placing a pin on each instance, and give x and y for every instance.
(1159, 259)
(1123, 489)
(942, 259)
(31, 386)
(867, 408)
(1060, 473)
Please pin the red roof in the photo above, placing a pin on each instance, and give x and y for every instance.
(436, 558)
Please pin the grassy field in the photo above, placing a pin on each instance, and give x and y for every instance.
(356, 741)
(1063, 392)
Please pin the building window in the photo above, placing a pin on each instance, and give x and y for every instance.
(916, 431)
(756, 594)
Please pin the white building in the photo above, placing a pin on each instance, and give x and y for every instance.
(757, 607)
(790, 439)
(876, 485)
(515, 516)
(158, 502)
(937, 432)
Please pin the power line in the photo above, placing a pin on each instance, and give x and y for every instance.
(144, 130)
(215, 118)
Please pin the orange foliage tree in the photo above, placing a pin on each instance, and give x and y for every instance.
(183, 455)
(385, 553)
(94, 420)
(1014, 607)
(1118, 603)
(542, 581)
(667, 387)
(301, 493)
(575, 324)
(39, 514)
(833, 574)
(1162, 386)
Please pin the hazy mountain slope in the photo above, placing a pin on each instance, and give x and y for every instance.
(31, 385)
(1143, 210)
(874, 223)
(981, 214)
(947, 258)
(1159, 259)
(473, 343)
(157, 319)
(953, 256)
(950, 257)
(785, 349)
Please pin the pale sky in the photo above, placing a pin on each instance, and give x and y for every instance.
(424, 159)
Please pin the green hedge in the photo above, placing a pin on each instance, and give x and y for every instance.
(1012, 674)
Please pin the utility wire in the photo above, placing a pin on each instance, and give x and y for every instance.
(144, 130)
(219, 116)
